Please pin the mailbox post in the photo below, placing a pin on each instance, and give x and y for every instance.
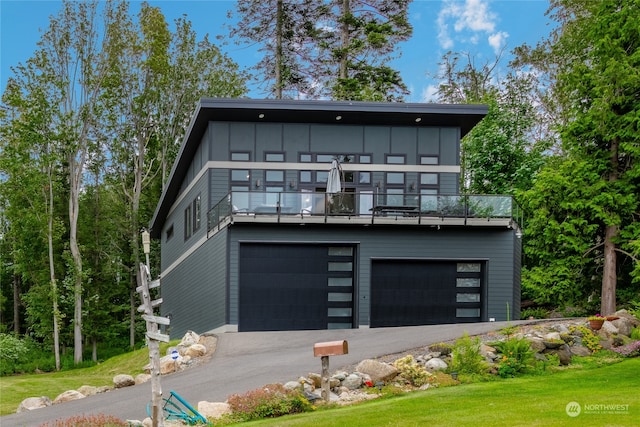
(324, 350)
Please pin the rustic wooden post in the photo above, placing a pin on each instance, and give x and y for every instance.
(326, 349)
(153, 341)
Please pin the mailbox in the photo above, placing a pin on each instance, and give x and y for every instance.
(330, 348)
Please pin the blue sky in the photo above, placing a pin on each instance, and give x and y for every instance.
(479, 27)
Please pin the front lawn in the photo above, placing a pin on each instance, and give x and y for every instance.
(607, 396)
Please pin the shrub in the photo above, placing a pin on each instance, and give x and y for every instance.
(411, 371)
(466, 357)
(99, 420)
(589, 339)
(629, 350)
(635, 333)
(273, 400)
(536, 313)
(517, 356)
(442, 347)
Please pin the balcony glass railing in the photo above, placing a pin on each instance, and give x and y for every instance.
(363, 204)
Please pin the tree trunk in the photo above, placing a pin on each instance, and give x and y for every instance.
(609, 273)
(52, 277)
(16, 303)
(75, 171)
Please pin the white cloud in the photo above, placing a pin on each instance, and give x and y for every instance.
(470, 19)
(498, 40)
(429, 93)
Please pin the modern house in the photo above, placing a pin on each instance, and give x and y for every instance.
(253, 238)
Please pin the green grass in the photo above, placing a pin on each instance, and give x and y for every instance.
(14, 389)
(525, 401)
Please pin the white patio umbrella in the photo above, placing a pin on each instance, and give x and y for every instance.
(333, 180)
(334, 185)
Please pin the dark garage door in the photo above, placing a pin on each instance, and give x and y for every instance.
(295, 287)
(418, 292)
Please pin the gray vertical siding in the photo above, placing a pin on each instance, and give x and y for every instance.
(195, 293)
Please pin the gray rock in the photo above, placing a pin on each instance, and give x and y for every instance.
(537, 344)
(123, 380)
(213, 409)
(580, 350)
(623, 325)
(352, 382)
(31, 403)
(378, 371)
(564, 354)
(436, 364)
(293, 385)
(68, 396)
(551, 336)
(88, 390)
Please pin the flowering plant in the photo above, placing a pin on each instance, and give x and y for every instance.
(597, 317)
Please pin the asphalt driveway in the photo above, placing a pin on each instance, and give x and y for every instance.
(248, 360)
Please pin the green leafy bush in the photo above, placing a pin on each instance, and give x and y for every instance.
(635, 333)
(589, 339)
(411, 371)
(517, 356)
(442, 347)
(99, 420)
(12, 351)
(466, 357)
(273, 400)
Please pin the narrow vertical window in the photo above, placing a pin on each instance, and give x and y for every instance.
(196, 213)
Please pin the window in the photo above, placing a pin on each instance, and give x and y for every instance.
(395, 159)
(274, 157)
(240, 175)
(192, 218)
(240, 156)
(305, 158)
(188, 224)
(169, 232)
(305, 176)
(428, 179)
(274, 176)
(365, 158)
(429, 160)
(365, 178)
(196, 213)
(395, 178)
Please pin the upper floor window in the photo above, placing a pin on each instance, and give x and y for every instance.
(429, 160)
(238, 156)
(394, 159)
(305, 158)
(240, 175)
(274, 157)
(192, 215)
(274, 176)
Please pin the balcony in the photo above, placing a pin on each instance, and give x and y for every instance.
(365, 208)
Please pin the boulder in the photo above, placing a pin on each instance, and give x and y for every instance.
(195, 350)
(623, 325)
(552, 336)
(352, 382)
(580, 350)
(68, 396)
(316, 379)
(189, 339)
(378, 371)
(213, 409)
(564, 354)
(123, 380)
(88, 390)
(436, 364)
(537, 344)
(609, 329)
(31, 403)
(142, 378)
(293, 385)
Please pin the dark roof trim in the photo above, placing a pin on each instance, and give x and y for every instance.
(324, 112)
